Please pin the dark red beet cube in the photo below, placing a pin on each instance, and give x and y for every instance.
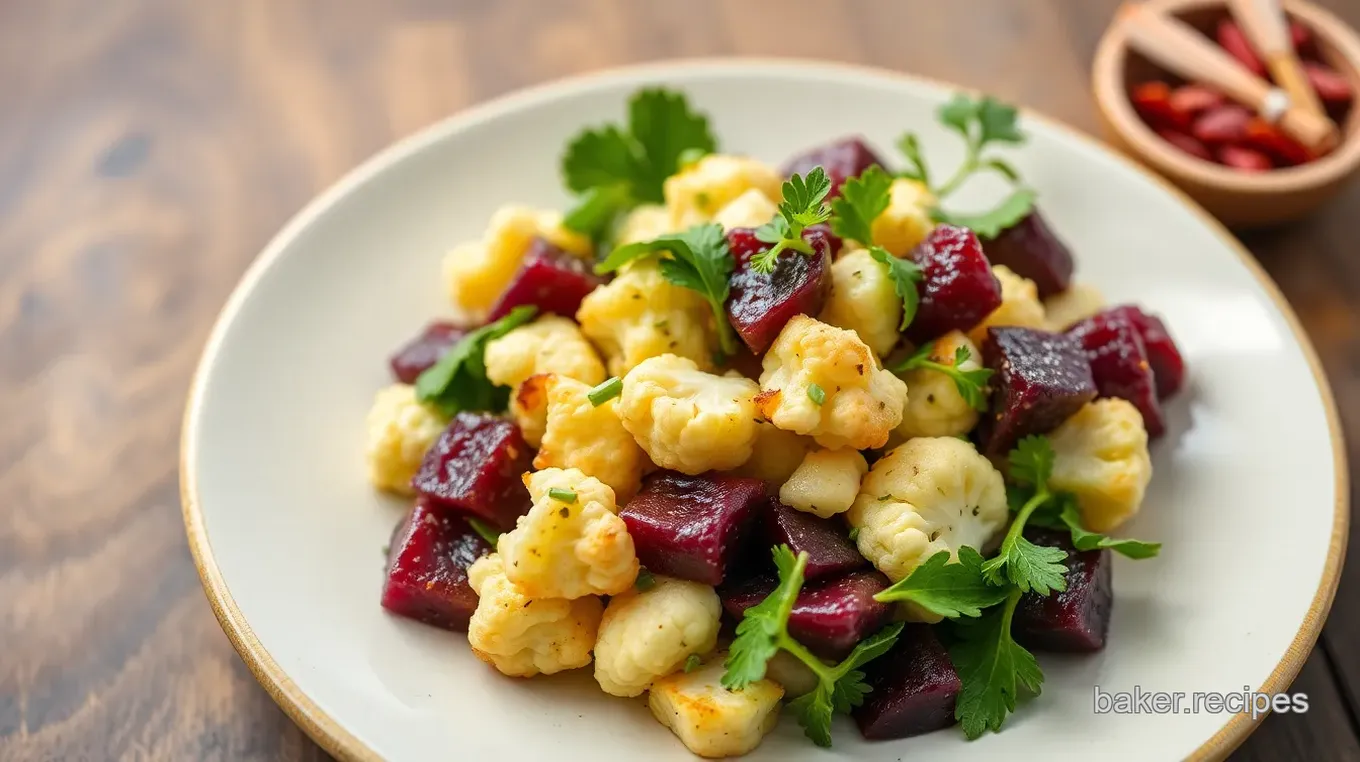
(476, 467)
(1038, 380)
(427, 565)
(550, 279)
(842, 160)
(418, 354)
(957, 288)
(1168, 367)
(823, 230)
(691, 527)
(830, 615)
(1075, 619)
(913, 688)
(761, 303)
(827, 543)
(1031, 250)
(1119, 364)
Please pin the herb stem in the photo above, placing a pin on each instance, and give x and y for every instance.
(968, 167)
(725, 340)
(1022, 516)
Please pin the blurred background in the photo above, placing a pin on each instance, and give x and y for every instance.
(150, 148)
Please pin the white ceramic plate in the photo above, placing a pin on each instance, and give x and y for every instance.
(1247, 494)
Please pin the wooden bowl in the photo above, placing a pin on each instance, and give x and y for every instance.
(1237, 198)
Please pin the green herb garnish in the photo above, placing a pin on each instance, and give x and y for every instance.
(491, 536)
(946, 588)
(993, 669)
(1066, 516)
(644, 580)
(458, 381)
(562, 495)
(971, 384)
(605, 391)
(1026, 565)
(804, 204)
(905, 275)
(693, 662)
(862, 200)
(817, 394)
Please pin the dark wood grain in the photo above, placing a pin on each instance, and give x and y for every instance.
(149, 148)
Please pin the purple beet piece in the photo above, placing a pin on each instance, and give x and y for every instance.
(913, 688)
(1031, 250)
(827, 543)
(417, 355)
(834, 242)
(957, 286)
(691, 527)
(550, 279)
(761, 303)
(476, 467)
(1075, 619)
(842, 160)
(1038, 380)
(427, 565)
(1119, 364)
(1168, 366)
(830, 615)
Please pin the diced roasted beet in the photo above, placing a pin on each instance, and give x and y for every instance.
(914, 688)
(743, 244)
(1031, 250)
(1168, 367)
(427, 565)
(827, 543)
(691, 527)
(842, 160)
(550, 279)
(834, 242)
(1075, 619)
(418, 354)
(957, 287)
(1119, 364)
(761, 303)
(476, 467)
(830, 615)
(1038, 380)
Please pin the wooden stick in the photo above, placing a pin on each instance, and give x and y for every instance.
(1265, 25)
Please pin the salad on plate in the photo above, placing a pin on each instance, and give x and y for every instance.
(745, 439)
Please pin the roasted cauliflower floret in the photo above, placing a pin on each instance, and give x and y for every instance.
(572, 546)
(711, 720)
(864, 300)
(550, 344)
(592, 439)
(1020, 305)
(1078, 302)
(400, 430)
(697, 192)
(523, 636)
(649, 634)
(927, 495)
(645, 223)
(825, 483)
(906, 222)
(934, 406)
(749, 210)
(776, 455)
(640, 314)
(860, 402)
(688, 420)
(1101, 456)
(477, 272)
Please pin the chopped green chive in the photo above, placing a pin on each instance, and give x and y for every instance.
(562, 495)
(693, 662)
(605, 392)
(645, 581)
(817, 394)
(482, 528)
(854, 534)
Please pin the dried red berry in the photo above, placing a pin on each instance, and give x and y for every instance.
(1231, 38)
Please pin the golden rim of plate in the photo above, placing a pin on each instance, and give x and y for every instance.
(340, 743)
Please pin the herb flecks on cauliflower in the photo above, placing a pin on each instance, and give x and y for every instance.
(825, 382)
(477, 272)
(550, 344)
(1101, 456)
(688, 420)
(711, 720)
(906, 222)
(569, 548)
(1020, 305)
(825, 483)
(697, 192)
(581, 435)
(649, 634)
(864, 300)
(523, 636)
(400, 430)
(934, 406)
(640, 314)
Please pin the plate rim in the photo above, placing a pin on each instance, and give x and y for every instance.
(338, 741)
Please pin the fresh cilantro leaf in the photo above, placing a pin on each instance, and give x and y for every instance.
(562, 495)
(817, 394)
(804, 204)
(763, 628)
(597, 208)
(644, 580)
(910, 146)
(861, 201)
(1031, 462)
(947, 589)
(813, 711)
(905, 275)
(990, 224)
(997, 121)
(484, 529)
(458, 381)
(600, 158)
(664, 128)
(693, 662)
(1029, 567)
(869, 649)
(839, 688)
(605, 391)
(994, 670)
(971, 384)
(700, 261)
(958, 114)
(1069, 518)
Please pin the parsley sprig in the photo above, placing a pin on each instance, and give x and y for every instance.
(862, 200)
(1026, 565)
(993, 669)
(948, 589)
(615, 167)
(804, 205)
(763, 632)
(1062, 514)
(699, 261)
(971, 384)
(458, 381)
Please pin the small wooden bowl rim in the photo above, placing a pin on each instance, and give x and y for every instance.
(1112, 98)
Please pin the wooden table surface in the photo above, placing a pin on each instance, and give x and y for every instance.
(149, 149)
